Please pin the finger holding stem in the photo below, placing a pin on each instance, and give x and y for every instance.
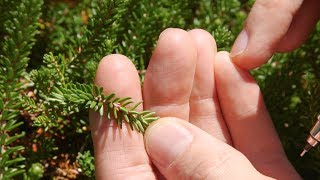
(119, 153)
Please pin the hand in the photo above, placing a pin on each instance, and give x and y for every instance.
(274, 26)
(225, 133)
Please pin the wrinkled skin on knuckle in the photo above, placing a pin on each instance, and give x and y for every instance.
(194, 164)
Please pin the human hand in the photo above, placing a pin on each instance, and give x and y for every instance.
(274, 26)
(225, 133)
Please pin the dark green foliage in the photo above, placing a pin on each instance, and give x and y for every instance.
(86, 162)
(18, 28)
(147, 20)
(48, 63)
(36, 171)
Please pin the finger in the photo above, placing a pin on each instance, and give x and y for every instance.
(119, 153)
(181, 150)
(169, 77)
(266, 24)
(301, 26)
(248, 120)
(204, 105)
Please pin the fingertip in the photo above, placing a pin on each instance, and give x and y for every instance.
(203, 39)
(114, 60)
(225, 66)
(229, 72)
(249, 61)
(221, 57)
(111, 65)
(174, 46)
(267, 23)
(240, 49)
(175, 39)
(160, 121)
(240, 44)
(116, 68)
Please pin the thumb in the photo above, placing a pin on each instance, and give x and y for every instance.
(181, 150)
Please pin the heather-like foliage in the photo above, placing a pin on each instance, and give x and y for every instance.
(49, 51)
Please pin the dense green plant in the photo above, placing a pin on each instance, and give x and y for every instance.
(49, 51)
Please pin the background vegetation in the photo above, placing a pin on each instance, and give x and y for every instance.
(46, 44)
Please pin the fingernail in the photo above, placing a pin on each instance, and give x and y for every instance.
(240, 44)
(165, 142)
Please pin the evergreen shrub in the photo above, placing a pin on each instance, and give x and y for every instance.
(49, 51)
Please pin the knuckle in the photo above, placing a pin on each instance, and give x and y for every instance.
(287, 6)
(213, 169)
(266, 4)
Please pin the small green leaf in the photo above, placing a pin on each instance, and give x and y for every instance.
(131, 126)
(116, 100)
(148, 114)
(124, 109)
(96, 90)
(115, 113)
(109, 115)
(121, 100)
(16, 172)
(87, 105)
(12, 126)
(3, 138)
(135, 106)
(12, 150)
(87, 89)
(93, 104)
(84, 97)
(100, 90)
(126, 118)
(134, 112)
(101, 110)
(13, 138)
(13, 161)
(96, 108)
(136, 126)
(120, 120)
(109, 97)
(56, 100)
(151, 119)
(57, 90)
(127, 103)
(141, 129)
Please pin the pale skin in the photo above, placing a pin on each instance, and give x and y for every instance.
(274, 26)
(214, 122)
